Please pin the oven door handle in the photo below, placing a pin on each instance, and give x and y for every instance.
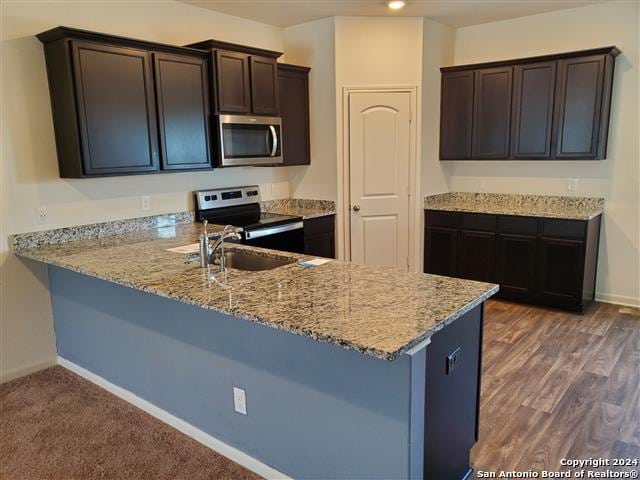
(263, 232)
(274, 145)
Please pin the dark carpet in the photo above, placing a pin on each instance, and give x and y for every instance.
(57, 425)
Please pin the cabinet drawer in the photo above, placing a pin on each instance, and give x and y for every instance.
(437, 218)
(563, 228)
(478, 221)
(522, 225)
(319, 225)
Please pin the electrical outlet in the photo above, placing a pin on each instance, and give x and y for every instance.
(42, 215)
(453, 360)
(572, 184)
(239, 400)
(145, 203)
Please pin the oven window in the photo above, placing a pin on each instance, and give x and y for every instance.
(246, 141)
(291, 241)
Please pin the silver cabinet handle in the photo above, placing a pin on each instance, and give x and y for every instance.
(356, 208)
(274, 148)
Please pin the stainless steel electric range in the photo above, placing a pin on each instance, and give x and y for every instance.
(240, 207)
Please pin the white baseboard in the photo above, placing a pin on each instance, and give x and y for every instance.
(28, 370)
(198, 435)
(618, 299)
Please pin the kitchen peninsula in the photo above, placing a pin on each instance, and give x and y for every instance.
(350, 371)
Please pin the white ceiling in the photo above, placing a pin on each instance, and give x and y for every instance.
(455, 13)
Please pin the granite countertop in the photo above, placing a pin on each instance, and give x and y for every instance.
(569, 208)
(300, 207)
(378, 311)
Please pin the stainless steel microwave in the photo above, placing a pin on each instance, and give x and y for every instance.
(246, 140)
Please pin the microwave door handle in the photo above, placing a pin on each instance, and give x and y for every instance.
(274, 145)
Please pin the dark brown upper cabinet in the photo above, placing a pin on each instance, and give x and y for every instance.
(111, 117)
(580, 131)
(232, 82)
(114, 90)
(183, 111)
(456, 115)
(293, 82)
(246, 77)
(264, 85)
(553, 107)
(492, 113)
(532, 114)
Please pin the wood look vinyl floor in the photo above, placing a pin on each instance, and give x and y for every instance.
(558, 385)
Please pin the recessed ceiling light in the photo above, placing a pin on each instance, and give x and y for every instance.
(395, 4)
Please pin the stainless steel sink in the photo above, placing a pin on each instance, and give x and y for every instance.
(248, 261)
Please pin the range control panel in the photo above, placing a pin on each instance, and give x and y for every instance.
(227, 197)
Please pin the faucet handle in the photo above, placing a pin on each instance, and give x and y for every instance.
(205, 222)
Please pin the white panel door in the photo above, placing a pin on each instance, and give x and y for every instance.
(379, 154)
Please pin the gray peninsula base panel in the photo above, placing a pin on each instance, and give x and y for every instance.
(314, 410)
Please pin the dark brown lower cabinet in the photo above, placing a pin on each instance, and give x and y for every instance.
(476, 252)
(319, 236)
(515, 265)
(440, 250)
(535, 260)
(560, 272)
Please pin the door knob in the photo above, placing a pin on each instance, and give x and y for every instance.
(356, 208)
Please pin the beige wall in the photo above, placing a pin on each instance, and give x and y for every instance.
(29, 169)
(437, 50)
(617, 178)
(313, 44)
(378, 51)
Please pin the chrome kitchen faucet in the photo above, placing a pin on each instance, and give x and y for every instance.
(208, 252)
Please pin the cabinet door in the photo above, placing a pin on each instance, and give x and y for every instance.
(319, 236)
(264, 86)
(515, 265)
(456, 115)
(320, 245)
(232, 82)
(440, 251)
(294, 111)
(578, 107)
(492, 113)
(183, 111)
(533, 97)
(560, 271)
(476, 255)
(116, 109)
